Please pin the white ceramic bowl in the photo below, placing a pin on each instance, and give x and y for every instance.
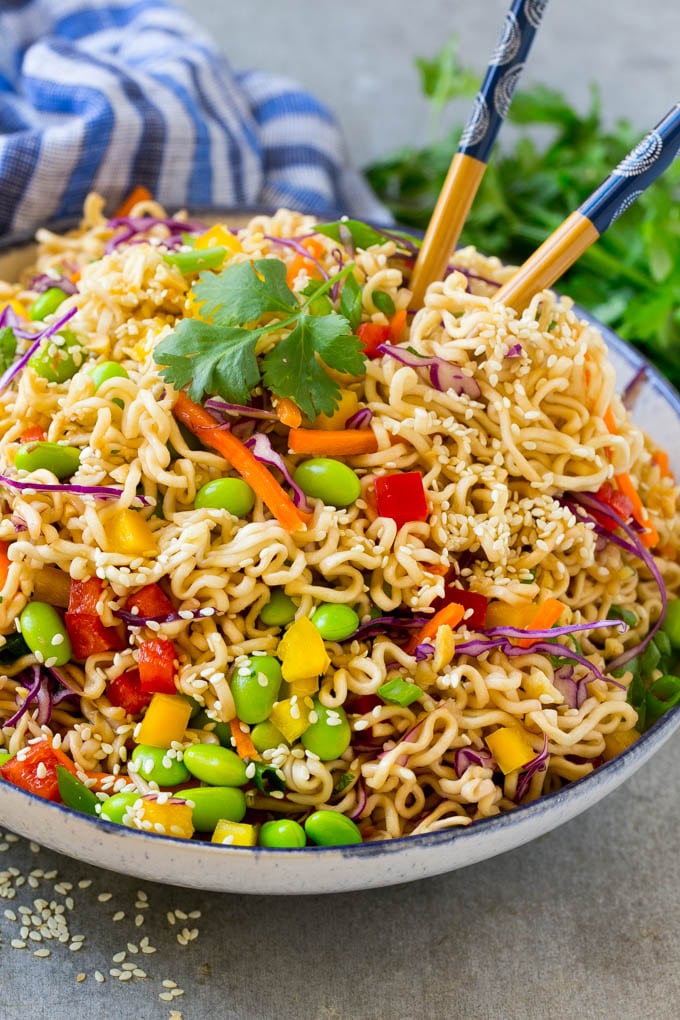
(203, 865)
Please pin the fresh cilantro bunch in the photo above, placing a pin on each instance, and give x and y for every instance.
(554, 159)
(220, 354)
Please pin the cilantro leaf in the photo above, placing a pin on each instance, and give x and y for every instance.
(211, 359)
(363, 234)
(8, 347)
(292, 369)
(351, 301)
(244, 292)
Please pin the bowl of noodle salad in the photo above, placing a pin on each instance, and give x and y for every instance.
(301, 591)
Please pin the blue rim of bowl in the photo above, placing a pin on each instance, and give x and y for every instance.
(643, 748)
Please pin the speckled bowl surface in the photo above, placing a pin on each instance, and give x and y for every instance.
(261, 870)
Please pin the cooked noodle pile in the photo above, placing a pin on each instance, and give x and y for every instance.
(504, 456)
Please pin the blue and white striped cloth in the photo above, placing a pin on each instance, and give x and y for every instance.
(108, 94)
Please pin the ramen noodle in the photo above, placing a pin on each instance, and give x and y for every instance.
(473, 623)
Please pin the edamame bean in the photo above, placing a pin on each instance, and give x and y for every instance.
(45, 634)
(282, 832)
(329, 480)
(154, 765)
(255, 687)
(265, 736)
(214, 802)
(671, 623)
(46, 303)
(279, 611)
(329, 828)
(232, 494)
(216, 765)
(107, 370)
(329, 736)
(335, 622)
(58, 358)
(117, 806)
(196, 260)
(61, 460)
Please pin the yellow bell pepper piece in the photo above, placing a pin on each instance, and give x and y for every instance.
(218, 237)
(170, 817)
(501, 614)
(129, 533)
(618, 741)
(306, 687)
(302, 651)
(165, 721)
(349, 404)
(16, 307)
(234, 833)
(291, 717)
(511, 748)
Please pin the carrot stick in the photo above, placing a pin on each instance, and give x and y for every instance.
(33, 434)
(326, 443)
(660, 458)
(138, 194)
(650, 537)
(289, 413)
(397, 323)
(608, 419)
(245, 748)
(207, 429)
(545, 616)
(450, 614)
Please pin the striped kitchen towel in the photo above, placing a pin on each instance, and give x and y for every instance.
(108, 94)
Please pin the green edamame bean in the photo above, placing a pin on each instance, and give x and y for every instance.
(335, 622)
(330, 735)
(117, 806)
(61, 460)
(154, 765)
(671, 623)
(255, 687)
(216, 765)
(58, 358)
(107, 370)
(45, 634)
(329, 480)
(265, 736)
(199, 258)
(46, 303)
(279, 611)
(232, 494)
(74, 793)
(329, 828)
(214, 802)
(282, 832)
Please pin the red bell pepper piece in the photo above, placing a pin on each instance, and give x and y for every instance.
(157, 666)
(362, 704)
(87, 633)
(470, 600)
(616, 501)
(401, 497)
(150, 601)
(34, 768)
(372, 334)
(126, 692)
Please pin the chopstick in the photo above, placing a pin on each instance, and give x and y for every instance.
(469, 162)
(618, 191)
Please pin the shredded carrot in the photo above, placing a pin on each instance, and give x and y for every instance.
(33, 434)
(299, 263)
(650, 536)
(208, 430)
(397, 323)
(436, 568)
(313, 246)
(450, 614)
(75, 277)
(289, 413)
(138, 194)
(325, 443)
(5, 562)
(608, 419)
(545, 616)
(660, 458)
(245, 748)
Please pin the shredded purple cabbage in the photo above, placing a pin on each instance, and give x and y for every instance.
(382, 623)
(44, 281)
(537, 764)
(443, 375)
(552, 632)
(298, 247)
(363, 799)
(36, 339)
(478, 646)
(467, 756)
(44, 693)
(135, 225)
(634, 388)
(361, 419)
(100, 491)
(471, 276)
(573, 691)
(216, 404)
(136, 620)
(262, 449)
(514, 352)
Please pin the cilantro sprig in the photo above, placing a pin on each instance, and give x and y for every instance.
(228, 351)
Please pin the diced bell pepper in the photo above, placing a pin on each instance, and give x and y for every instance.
(34, 768)
(125, 692)
(234, 833)
(129, 533)
(302, 651)
(511, 748)
(218, 236)
(291, 718)
(157, 661)
(402, 497)
(348, 405)
(87, 633)
(171, 817)
(165, 721)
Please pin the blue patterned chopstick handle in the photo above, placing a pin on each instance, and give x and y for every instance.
(635, 173)
(506, 65)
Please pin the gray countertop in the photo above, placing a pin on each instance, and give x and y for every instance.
(582, 923)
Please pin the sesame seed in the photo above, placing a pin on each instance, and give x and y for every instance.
(104, 897)
(80, 977)
(99, 977)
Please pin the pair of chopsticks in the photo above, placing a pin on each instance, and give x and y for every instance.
(618, 191)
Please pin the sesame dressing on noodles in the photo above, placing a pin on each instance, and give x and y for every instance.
(509, 530)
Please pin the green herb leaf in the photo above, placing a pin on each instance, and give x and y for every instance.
(244, 292)
(351, 301)
(363, 235)
(210, 359)
(8, 347)
(267, 778)
(383, 302)
(620, 613)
